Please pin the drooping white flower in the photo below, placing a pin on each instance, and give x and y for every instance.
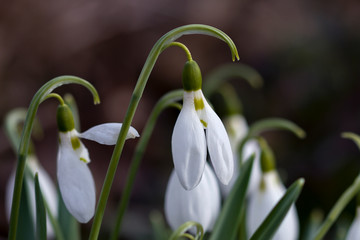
(354, 230)
(76, 183)
(263, 200)
(201, 204)
(237, 128)
(47, 186)
(189, 141)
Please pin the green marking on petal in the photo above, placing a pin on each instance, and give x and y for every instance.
(199, 103)
(262, 185)
(203, 122)
(75, 142)
(83, 160)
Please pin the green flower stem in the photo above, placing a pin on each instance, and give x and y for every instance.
(270, 124)
(12, 122)
(160, 45)
(228, 71)
(343, 201)
(275, 123)
(232, 103)
(352, 136)
(182, 46)
(39, 97)
(57, 96)
(166, 101)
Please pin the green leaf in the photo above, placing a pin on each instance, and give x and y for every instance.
(25, 230)
(160, 231)
(40, 211)
(271, 223)
(68, 224)
(229, 220)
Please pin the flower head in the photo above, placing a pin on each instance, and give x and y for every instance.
(201, 204)
(189, 141)
(76, 183)
(263, 200)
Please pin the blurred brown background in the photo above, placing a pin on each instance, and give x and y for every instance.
(307, 52)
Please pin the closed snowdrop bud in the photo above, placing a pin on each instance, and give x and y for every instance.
(47, 187)
(190, 143)
(354, 230)
(76, 183)
(201, 204)
(266, 196)
(263, 200)
(237, 128)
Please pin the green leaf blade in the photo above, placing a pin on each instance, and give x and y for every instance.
(271, 223)
(230, 217)
(40, 211)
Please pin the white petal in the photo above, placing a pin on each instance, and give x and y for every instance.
(76, 183)
(251, 147)
(219, 146)
(354, 230)
(261, 203)
(9, 194)
(188, 146)
(107, 133)
(202, 204)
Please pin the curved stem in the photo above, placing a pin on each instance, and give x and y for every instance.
(228, 71)
(232, 103)
(275, 123)
(180, 232)
(352, 136)
(160, 45)
(343, 201)
(12, 122)
(166, 101)
(39, 97)
(57, 96)
(183, 47)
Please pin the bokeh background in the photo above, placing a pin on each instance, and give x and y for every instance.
(308, 53)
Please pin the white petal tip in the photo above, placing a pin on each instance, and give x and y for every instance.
(133, 133)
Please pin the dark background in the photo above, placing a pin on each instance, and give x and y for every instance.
(307, 52)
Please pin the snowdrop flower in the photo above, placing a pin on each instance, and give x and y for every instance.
(237, 128)
(76, 183)
(265, 197)
(201, 204)
(354, 230)
(47, 187)
(189, 142)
